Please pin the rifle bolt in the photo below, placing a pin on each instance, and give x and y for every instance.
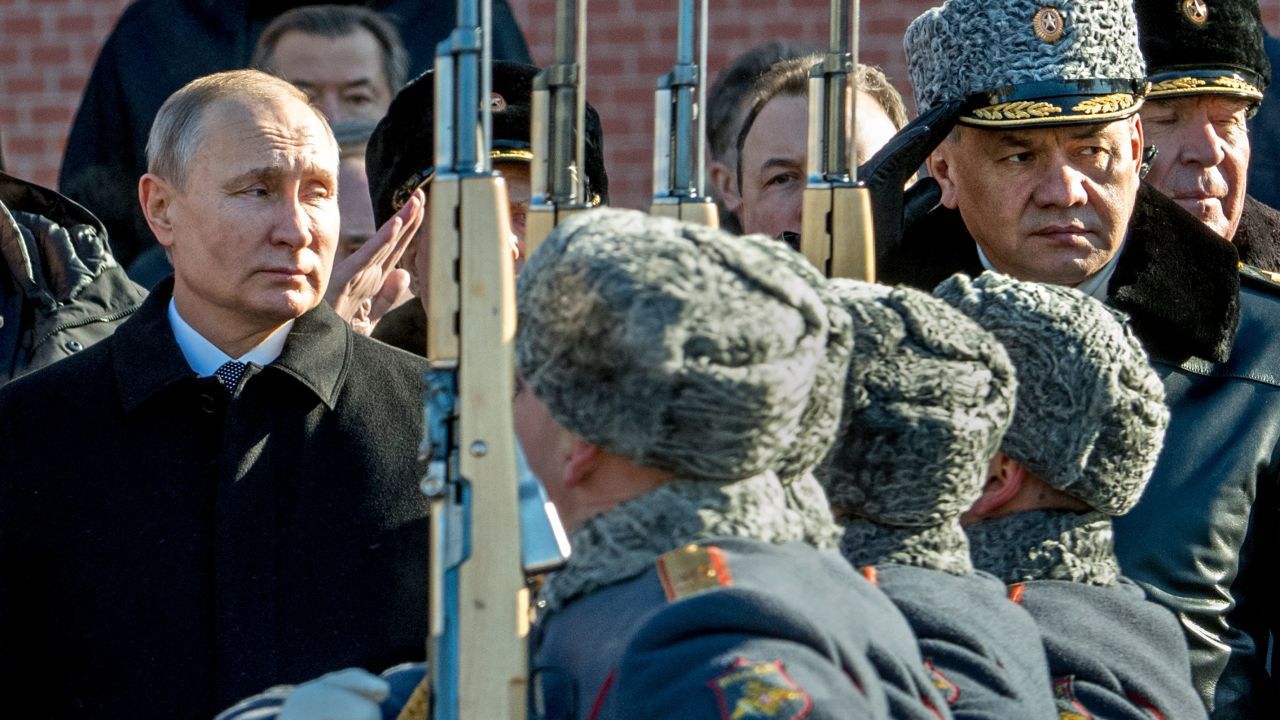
(479, 448)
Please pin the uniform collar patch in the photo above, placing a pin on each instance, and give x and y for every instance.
(752, 689)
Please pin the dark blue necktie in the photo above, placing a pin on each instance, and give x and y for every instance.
(230, 373)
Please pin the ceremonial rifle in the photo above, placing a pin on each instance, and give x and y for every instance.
(836, 232)
(558, 178)
(489, 525)
(679, 127)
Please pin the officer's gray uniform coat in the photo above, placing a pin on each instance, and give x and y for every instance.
(1112, 653)
(818, 635)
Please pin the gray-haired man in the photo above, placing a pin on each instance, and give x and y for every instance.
(1040, 180)
(190, 507)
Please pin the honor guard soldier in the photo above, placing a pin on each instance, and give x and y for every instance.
(1208, 71)
(667, 371)
(928, 398)
(1085, 435)
(400, 160)
(1040, 180)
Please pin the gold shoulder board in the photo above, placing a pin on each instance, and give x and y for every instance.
(692, 569)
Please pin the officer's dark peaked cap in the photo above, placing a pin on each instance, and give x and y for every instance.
(1203, 47)
(401, 153)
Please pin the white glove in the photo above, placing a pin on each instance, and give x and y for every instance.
(351, 694)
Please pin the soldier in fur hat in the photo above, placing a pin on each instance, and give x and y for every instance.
(1085, 436)
(928, 398)
(670, 376)
(1208, 71)
(1040, 180)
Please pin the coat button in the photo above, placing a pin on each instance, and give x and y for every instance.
(73, 346)
(208, 404)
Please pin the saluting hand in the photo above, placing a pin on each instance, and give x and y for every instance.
(367, 284)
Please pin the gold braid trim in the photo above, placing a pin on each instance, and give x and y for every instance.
(1237, 84)
(1186, 83)
(1105, 104)
(1017, 110)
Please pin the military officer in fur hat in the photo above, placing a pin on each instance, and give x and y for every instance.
(1208, 70)
(400, 160)
(1040, 180)
(1088, 427)
(928, 398)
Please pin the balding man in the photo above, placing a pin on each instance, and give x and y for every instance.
(191, 508)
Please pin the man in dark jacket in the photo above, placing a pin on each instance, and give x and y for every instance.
(1037, 189)
(1088, 427)
(62, 290)
(1208, 72)
(159, 45)
(192, 508)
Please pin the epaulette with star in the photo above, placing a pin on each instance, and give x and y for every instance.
(692, 569)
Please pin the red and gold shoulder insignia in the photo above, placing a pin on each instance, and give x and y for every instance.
(948, 689)
(1016, 591)
(871, 574)
(692, 569)
(1064, 695)
(752, 689)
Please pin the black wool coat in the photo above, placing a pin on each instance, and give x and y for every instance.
(1203, 537)
(167, 548)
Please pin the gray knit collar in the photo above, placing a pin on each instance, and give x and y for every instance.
(623, 542)
(1046, 545)
(936, 547)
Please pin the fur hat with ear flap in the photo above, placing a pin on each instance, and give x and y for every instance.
(1091, 416)
(928, 397)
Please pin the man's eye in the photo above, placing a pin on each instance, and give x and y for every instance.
(358, 99)
(257, 192)
(1019, 158)
(778, 180)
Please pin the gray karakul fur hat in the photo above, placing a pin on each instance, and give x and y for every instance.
(928, 398)
(681, 347)
(1091, 416)
(1028, 63)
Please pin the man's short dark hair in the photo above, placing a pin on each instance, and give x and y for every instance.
(790, 78)
(335, 21)
(728, 100)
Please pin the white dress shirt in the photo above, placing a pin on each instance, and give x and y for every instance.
(205, 358)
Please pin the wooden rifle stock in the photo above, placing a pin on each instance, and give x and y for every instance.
(837, 233)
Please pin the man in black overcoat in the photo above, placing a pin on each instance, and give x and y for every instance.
(222, 496)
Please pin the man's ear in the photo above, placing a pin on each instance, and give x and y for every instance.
(1005, 478)
(725, 184)
(939, 164)
(156, 196)
(583, 457)
(1137, 137)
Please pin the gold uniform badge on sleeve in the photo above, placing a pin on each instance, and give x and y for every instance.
(751, 689)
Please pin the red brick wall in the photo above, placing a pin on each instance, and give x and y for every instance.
(47, 48)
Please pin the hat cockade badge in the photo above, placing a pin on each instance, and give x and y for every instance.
(1048, 24)
(497, 103)
(1196, 11)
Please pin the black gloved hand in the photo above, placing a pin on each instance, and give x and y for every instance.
(886, 174)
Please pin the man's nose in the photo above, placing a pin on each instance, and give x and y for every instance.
(1199, 142)
(293, 224)
(1061, 185)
